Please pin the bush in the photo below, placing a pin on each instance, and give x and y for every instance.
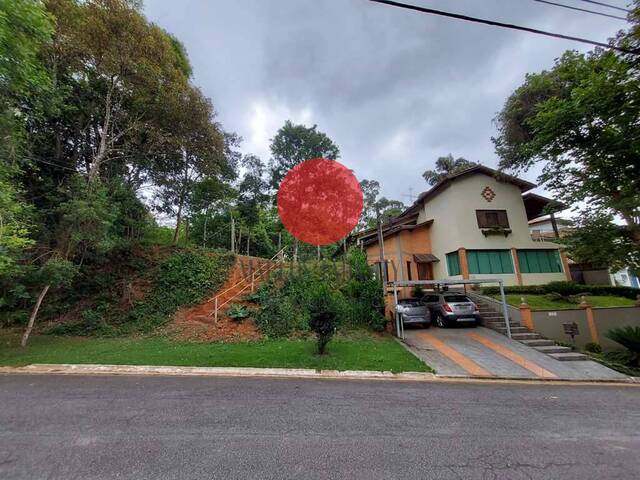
(237, 312)
(567, 289)
(628, 337)
(323, 309)
(279, 317)
(593, 347)
(417, 292)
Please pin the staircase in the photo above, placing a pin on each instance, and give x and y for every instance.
(495, 321)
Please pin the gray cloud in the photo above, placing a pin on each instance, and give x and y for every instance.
(395, 89)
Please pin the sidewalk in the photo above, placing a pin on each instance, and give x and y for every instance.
(484, 353)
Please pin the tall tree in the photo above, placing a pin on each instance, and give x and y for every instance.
(446, 166)
(374, 206)
(293, 144)
(581, 121)
(194, 151)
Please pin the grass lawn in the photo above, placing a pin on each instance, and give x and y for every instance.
(361, 352)
(540, 302)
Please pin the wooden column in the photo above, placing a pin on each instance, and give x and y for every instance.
(516, 265)
(464, 264)
(565, 265)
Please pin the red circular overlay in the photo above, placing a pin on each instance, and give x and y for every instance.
(319, 201)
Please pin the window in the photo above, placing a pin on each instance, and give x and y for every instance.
(490, 261)
(539, 261)
(492, 219)
(430, 299)
(453, 263)
(408, 270)
(455, 298)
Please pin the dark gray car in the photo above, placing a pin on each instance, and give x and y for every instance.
(450, 308)
(413, 311)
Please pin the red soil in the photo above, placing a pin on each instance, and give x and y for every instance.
(198, 323)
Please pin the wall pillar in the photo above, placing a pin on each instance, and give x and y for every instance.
(565, 265)
(593, 329)
(526, 318)
(464, 264)
(516, 264)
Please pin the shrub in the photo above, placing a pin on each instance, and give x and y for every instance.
(567, 289)
(628, 337)
(323, 313)
(237, 312)
(279, 317)
(593, 347)
(417, 292)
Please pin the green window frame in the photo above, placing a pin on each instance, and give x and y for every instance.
(453, 263)
(490, 261)
(539, 261)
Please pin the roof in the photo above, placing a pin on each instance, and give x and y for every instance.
(388, 230)
(523, 185)
(425, 258)
(559, 221)
(537, 205)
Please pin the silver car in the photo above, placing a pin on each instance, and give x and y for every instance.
(450, 308)
(413, 311)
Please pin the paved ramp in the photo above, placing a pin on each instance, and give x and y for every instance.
(480, 352)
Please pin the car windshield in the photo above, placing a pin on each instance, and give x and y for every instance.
(413, 302)
(455, 298)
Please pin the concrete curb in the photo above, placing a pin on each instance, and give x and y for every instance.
(150, 370)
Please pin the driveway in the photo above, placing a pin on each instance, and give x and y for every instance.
(103, 427)
(481, 352)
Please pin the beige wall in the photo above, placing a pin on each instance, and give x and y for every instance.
(455, 225)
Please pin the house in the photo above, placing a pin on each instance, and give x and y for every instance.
(471, 225)
(549, 228)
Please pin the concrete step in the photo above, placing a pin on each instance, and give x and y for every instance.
(498, 324)
(539, 342)
(552, 349)
(526, 336)
(514, 330)
(494, 317)
(569, 357)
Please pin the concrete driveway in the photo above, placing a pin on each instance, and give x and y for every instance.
(481, 352)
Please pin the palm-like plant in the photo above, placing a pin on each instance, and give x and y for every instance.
(628, 337)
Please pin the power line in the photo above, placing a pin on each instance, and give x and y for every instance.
(607, 5)
(581, 9)
(504, 25)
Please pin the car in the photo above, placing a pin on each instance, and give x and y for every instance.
(450, 308)
(413, 311)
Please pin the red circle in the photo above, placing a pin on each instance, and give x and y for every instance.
(319, 201)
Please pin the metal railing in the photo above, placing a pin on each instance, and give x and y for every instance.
(270, 265)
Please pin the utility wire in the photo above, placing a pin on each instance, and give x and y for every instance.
(504, 25)
(570, 7)
(607, 5)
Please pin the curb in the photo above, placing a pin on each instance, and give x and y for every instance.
(248, 372)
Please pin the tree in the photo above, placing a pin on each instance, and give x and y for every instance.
(195, 150)
(116, 68)
(323, 313)
(446, 166)
(374, 206)
(293, 144)
(581, 121)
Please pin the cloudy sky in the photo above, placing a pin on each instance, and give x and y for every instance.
(393, 88)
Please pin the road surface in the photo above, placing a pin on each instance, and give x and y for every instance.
(99, 427)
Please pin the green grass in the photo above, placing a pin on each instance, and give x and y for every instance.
(358, 353)
(541, 302)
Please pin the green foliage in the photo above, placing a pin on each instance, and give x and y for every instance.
(293, 144)
(364, 295)
(446, 166)
(628, 337)
(372, 205)
(566, 289)
(237, 312)
(57, 273)
(323, 307)
(593, 347)
(185, 277)
(278, 316)
(581, 120)
(417, 291)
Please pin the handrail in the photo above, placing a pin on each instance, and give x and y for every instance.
(243, 279)
(270, 267)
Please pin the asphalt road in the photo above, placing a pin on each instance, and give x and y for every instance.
(68, 427)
